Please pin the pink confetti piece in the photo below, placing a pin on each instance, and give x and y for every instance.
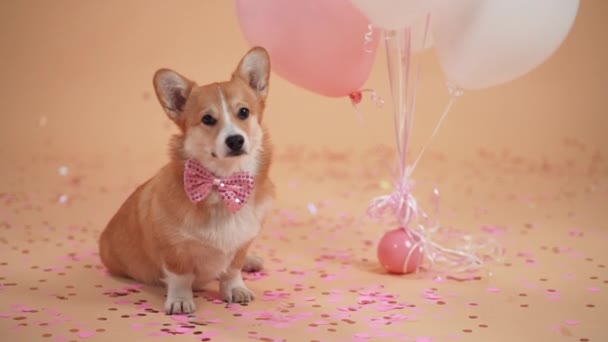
(5, 315)
(363, 300)
(431, 296)
(26, 309)
(275, 295)
(424, 339)
(348, 308)
(571, 322)
(555, 297)
(182, 330)
(388, 307)
(392, 318)
(386, 334)
(330, 277)
(312, 209)
(159, 334)
(492, 289)
(593, 289)
(180, 318)
(494, 230)
(86, 334)
(363, 335)
(577, 255)
(144, 306)
(439, 279)
(335, 299)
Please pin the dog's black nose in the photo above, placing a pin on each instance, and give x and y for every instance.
(235, 142)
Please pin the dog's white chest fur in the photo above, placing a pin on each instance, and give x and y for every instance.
(225, 231)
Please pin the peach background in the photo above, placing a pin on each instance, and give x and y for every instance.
(87, 66)
(524, 163)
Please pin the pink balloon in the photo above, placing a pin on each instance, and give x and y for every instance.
(319, 45)
(393, 251)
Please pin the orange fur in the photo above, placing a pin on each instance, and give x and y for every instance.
(158, 228)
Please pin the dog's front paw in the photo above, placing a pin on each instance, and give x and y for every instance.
(237, 294)
(177, 306)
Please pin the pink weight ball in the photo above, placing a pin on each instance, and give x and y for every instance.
(393, 251)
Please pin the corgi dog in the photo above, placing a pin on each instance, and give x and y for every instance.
(193, 222)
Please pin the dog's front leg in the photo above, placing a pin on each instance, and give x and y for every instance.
(232, 287)
(179, 293)
(179, 277)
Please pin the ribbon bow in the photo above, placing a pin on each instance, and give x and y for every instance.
(234, 190)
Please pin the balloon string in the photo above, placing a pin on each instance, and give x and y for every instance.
(437, 126)
(357, 96)
(404, 131)
(394, 62)
(368, 39)
(409, 116)
(417, 245)
(424, 39)
(427, 26)
(470, 255)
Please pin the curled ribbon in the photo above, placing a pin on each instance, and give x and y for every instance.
(460, 262)
(357, 96)
(368, 39)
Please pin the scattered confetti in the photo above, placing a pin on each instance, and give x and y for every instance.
(63, 199)
(63, 171)
(384, 185)
(494, 230)
(321, 280)
(86, 334)
(312, 209)
(423, 339)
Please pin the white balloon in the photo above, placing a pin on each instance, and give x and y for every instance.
(482, 43)
(394, 14)
(420, 42)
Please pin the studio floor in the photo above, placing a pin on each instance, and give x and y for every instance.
(322, 281)
(525, 164)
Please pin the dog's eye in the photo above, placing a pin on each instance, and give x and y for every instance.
(243, 113)
(209, 120)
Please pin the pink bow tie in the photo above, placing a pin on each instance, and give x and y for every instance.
(234, 190)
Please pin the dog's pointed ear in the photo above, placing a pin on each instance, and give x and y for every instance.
(172, 90)
(254, 69)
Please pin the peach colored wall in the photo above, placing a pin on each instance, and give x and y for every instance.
(86, 66)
